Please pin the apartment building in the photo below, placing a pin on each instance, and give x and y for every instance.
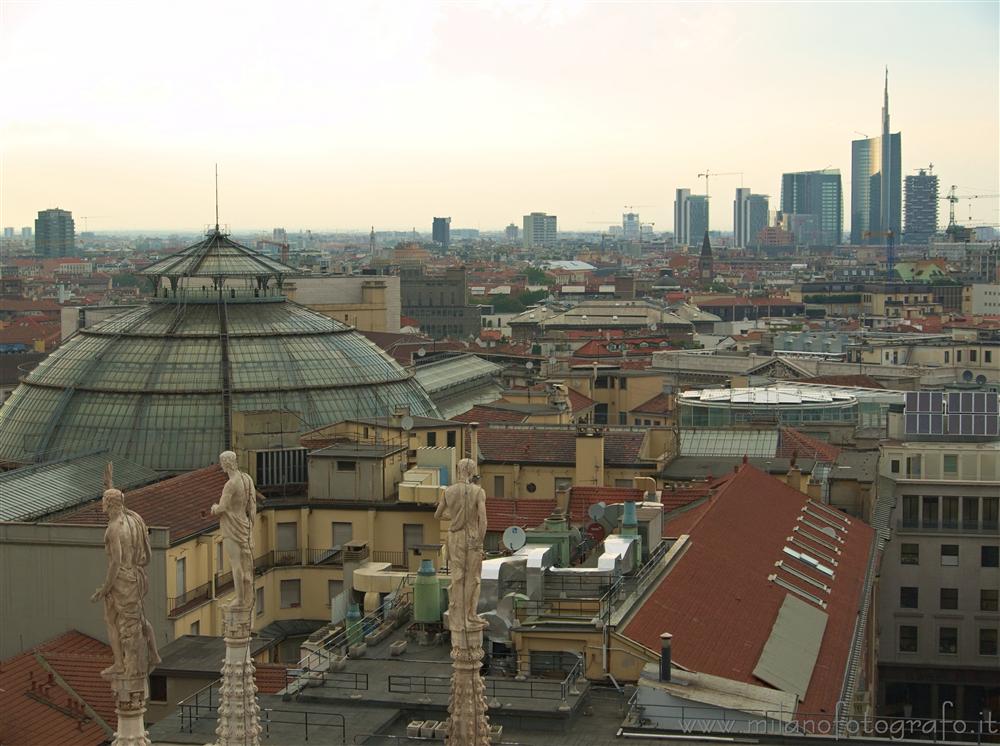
(938, 611)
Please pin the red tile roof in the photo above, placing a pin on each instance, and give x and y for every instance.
(791, 442)
(683, 521)
(485, 413)
(579, 403)
(860, 381)
(722, 581)
(180, 504)
(503, 512)
(41, 708)
(519, 445)
(659, 404)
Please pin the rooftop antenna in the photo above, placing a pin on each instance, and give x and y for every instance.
(216, 197)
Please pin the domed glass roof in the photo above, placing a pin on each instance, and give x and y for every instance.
(158, 383)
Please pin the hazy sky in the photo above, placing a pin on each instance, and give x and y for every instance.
(347, 114)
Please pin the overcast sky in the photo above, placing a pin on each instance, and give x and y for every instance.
(351, 114)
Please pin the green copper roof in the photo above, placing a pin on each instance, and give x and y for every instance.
(157, 384)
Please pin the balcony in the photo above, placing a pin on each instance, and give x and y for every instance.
(938, 526)
(396, 559)
(188, 600)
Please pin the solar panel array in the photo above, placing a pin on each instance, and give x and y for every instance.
(956, 413)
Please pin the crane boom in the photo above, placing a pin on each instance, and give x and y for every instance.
(707, 174)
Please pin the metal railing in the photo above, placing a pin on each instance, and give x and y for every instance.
(331, 679)
(223, 582)
(912, 525)
(332, 556)
(396, 559)
(204, 705)
(178, 604)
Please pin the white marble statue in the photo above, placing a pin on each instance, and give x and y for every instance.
(237, 509)
(464, 504)
(133, 641)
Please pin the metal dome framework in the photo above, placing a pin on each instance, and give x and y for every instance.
(159, 383)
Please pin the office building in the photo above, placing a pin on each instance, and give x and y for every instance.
(26, 234)
(511, 233)
(940, 577)
(819, 194)
(690, 217)
(876, 184)
(438, 302)
(441, 232)
(758, 217)
(55, 233)
(741, 218)
(8, 232)
(631, 228)
(921, 207)
(539, 230)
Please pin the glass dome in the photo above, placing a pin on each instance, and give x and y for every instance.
(158, 383)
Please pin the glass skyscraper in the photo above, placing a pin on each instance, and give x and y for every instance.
(818, 194)
(921, 207)
(876, 184)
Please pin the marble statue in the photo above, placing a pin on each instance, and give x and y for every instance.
(126, 542)
(133, 641)
(239, 711)
(464, 504)
(237, 509)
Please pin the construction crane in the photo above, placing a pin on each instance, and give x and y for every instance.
(636, 207)
(283, 247)
(953, 200)
(708, 174)
(85, 218)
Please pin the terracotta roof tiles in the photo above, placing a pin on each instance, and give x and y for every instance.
(550, 446)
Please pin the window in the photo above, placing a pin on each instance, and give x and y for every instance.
(220, 557)
(913, 467)
(196, 627)
(601, 382)
(970, 512)
(333, 589)
(909, 554)
(259, 600)
(930, 514)
(987, 356)
(949, 555)
(158, 688)
(947, 356)
(498, 487)
(347, 466)
(908, 596)
(907, 638)
(988, 599)
(432, 440)
(180, 575)
(450, 435)
(989, 555)
(287, 537)
(949, 512)
(911, 511)
(972, 356)
(951, 464)
(988, 641)
(894, 466)
(991, 507)
(949, 598)
(531, 487)
(958, 356)
(948, 640)
(291, 594)
(343, 532)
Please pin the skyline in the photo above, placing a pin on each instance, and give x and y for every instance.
(391, 114)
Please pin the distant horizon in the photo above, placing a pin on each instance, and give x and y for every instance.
(389, 114)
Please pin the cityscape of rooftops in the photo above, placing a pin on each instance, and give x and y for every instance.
(499, 373)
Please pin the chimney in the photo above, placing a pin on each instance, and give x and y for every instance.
(589, 458)
(665, 640)
(474, 441)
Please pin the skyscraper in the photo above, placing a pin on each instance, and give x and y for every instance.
(55, 233)
(510, 232)
(682, 234)
(631, 228)
(750, 213)
(539, 229)
(921, 207)
(441, 232)
(759, 214)
(876, 184)
(741, 218)
(820, 195)
(690, 217)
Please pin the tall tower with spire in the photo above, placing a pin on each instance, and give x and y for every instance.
(877, 183)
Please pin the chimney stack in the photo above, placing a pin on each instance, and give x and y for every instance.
(665, 641)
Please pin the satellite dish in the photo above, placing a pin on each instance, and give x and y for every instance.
(596, 511)
(421, 352)
(406, 423)
(529, 365)
(652, 327)
(514, 538)
(553, 360)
